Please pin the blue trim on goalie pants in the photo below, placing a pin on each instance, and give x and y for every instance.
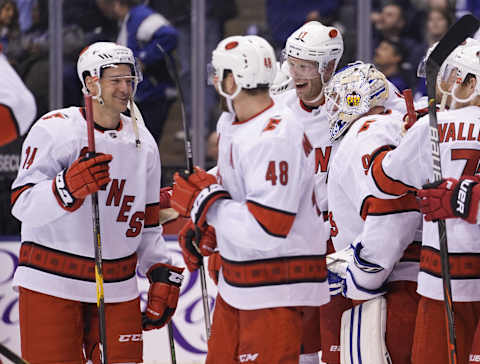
(363, 264)
(352, 316)
(379, 290)
(359, 353)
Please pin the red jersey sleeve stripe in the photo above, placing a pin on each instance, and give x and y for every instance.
(9, 125)
(273, 222)
(384, 183)
(16, 192)
(377, 206)
(152, 215)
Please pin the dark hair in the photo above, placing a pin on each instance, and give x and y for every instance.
(14, 25)
(398, 48)
(445, 12)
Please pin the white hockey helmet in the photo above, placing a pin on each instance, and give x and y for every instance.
(351, 93)
(281, 83)
(464, 60)
(318, 43)
(98, 56)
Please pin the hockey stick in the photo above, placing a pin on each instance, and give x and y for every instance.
(97, 242)
(10, 355)
(464, 27)
(189, 157)
(136, 116)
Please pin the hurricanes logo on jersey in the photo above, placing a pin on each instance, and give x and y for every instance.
(353, 99)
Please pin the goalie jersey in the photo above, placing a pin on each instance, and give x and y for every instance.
(269, 236)
(385, 228)
(409, 166)
(57, 252)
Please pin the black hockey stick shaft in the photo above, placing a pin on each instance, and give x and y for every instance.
(171, 340)
(97, 242)
(10, 355)
(172, 70)
(463, 28)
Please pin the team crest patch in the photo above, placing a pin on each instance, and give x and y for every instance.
(353, 99)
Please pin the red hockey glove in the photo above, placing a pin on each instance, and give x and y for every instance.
(214, 265)
(192, 251)
(450, 198)
(193, 196)
(165, 195)
(84, 177)
(165, 281)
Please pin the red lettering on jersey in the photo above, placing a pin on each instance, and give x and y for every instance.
(126, 206)
(135, 224)
(470, 132)
(442, 128)
(267, 62)
(115, 192)
(321, 159)
(272, 123)
(472, 157)
(460, 132)
(365, 125)
(29, 158)
(56, 115)
(450, 133)
(333, 225)
(307, 146)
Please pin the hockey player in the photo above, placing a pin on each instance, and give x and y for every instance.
(55, 275)
(378, 231)
(262, 211)
(17, 113)
(309, 59)
(407, 168)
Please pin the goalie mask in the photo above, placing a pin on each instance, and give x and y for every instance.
(351, 93)
(464, 60)
(317, 43)
(98, 56)
(251, 60)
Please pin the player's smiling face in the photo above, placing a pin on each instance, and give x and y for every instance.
(117, 87)
(306, 78)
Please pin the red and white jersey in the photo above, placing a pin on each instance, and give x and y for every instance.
(385, 230)
(272, 246)
(409, 166)
(17, 104)
(57, 245)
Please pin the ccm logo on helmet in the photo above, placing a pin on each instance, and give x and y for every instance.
(130, 337)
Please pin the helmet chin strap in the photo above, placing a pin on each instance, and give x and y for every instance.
(228, 97)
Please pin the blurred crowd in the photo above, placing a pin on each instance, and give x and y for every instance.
(402, 32)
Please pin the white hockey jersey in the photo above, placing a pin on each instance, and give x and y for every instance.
(272, 246)
(385, 229)
(57, 250)
(17, 104)
(409, 166)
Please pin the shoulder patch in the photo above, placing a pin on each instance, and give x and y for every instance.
(55, 115)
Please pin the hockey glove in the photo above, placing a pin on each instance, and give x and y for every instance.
(165, 281)
(193, 251)
(450, 198)
(194, 195)
(84, 177)
(214, 265)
